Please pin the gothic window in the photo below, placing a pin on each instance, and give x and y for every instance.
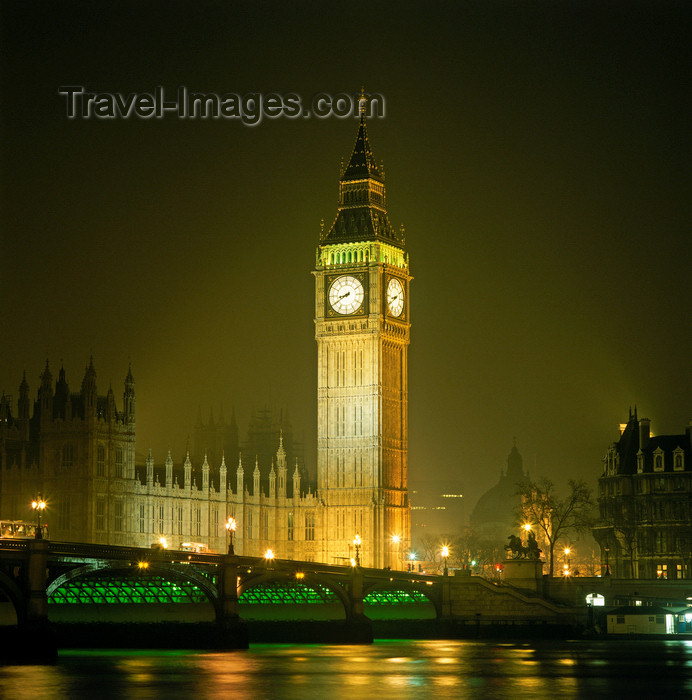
(640, 462)
(249, 525)
(658, 460)
(119, 463)
(67, 456)
(142, 518)
(659, 542)
(101, 461)
(118, 519)
(340, 470)
(198, 520)
(289, 527)
(339, 525)
(310, 526)
(662, 571)
(265, 525)
(180, 520)
(161, 519)
(64, 513)
(100, 524)
(215, 520)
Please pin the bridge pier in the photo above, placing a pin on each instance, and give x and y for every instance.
(33, 640)
(233, 632)
(358, 627)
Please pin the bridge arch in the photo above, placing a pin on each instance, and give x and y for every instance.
(277, 595)
(15, 598)
(113, 592)
(401, 600)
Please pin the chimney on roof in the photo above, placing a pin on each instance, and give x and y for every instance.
(644, 433)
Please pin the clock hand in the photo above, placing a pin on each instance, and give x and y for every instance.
(345, 295)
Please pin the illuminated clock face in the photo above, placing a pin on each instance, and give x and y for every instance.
(395, 297)
(346, 295)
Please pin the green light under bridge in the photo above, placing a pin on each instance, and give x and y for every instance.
(126, 590)
(287, 593)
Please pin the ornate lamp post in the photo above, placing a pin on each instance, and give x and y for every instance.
(606, 549)
(411, 559)
(231, 526)
(567, 565)
(445, 554)
(38, 504)
(356, 544)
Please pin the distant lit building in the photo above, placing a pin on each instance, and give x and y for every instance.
(645, 504)
(494, 516)
(437, 509)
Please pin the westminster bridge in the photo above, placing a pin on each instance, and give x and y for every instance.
(46, 585)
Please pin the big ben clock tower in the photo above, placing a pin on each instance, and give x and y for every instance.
(362, 325)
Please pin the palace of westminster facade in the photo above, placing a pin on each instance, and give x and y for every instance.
(78, 449)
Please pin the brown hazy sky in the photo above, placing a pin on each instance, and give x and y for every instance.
(537, 153)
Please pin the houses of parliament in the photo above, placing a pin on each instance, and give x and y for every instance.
(78, 448)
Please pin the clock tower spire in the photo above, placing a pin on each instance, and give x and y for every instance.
(362, 326)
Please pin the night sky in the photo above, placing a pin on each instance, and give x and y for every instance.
(538, 155)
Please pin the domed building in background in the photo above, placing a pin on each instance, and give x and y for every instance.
(493, 518)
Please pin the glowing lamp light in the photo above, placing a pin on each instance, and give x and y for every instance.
(412, 556)
(269, 555)
(231, 525)
(396, 539)
(527, 526)
(445, 554)
(143, 564)
(353, 561)
(38, 505)
(163, 542)
(356, 544)
(300, 575)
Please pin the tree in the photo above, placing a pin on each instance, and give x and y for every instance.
(556, 517)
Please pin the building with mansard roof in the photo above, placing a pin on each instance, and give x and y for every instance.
(645, 503)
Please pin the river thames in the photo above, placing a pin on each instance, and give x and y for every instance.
(386, 669)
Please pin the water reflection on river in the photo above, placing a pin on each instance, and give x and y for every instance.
(386, 669)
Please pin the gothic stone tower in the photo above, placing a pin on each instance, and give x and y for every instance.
(362, 326)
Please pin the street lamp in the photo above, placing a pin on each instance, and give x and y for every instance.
(38, 504)
(356, 544)
(445, 554)
(268, 556)
(567, 565)
(231, 526)
(606, 549)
